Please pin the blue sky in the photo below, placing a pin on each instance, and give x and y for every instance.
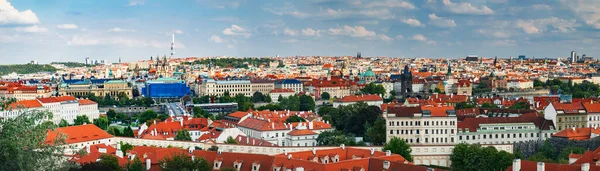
(70, 30)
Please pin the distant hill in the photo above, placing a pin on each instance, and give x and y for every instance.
(25, 68)
(73, 64)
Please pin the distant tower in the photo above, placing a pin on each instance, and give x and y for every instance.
(119, 60)
(358, 55)
(573, 56)
(172, 43)
(495, 60)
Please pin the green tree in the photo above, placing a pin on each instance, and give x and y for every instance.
(147, 115)
(464, 105)
(258, 97)
(230, 140)
(183, 162)
(101, 122)
(520, 105)
(111, 114)
(128, 132)
(335, 138)
(21, 134)
(125, 147)
(489, 105)
(183, 135)
(63, 123)
(398, 146)
(325, 96)
(199, 112)
(294, 118)
(376, 133)
(81, 119)
(113, 130)
(135, 165)
(307, 103)
(109, 162)
(437, 90)
(474, 157)
(270, 106)
(373, 89)
(244, 103)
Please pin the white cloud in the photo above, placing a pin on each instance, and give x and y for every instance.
(289, 41)
(356, 31)
(32, 29)
(391, 4)
(539, 25)
(412, 22)
(399, 37)
(117, 29)
(506, 42)
(385, 37)
(137, 2)
(421, 38)
(236, 30)
(541, 7)
(290, 32)
(493, 33)
(329, 13)
(67, 26)
(9, 15)
(466, 8)
(441, 21)
(121, 41)
(311, 32)
(216, 39)
(587, 10)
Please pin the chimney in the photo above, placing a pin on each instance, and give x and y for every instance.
(193, 158)
(290, 156)
(87, 149)
(516, 165)
(284, 152)
(540, 166)
(155, 122)
(155, 132)
(372, 151)
(343, 146)
(148, 164)
(272, 125)
(585, 167)
(181, 122)
(388, 153)
(310, 125)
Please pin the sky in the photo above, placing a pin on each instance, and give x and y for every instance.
(70, 30)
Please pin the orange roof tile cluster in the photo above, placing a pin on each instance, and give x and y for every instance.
(578, 133)
(301, 132)
(56, 99)
(76, 134)
(268, 125)
(24, 104)
(86, 102)
(540, 102)
(277, 116)
(171, 125)
(360, 98)
(96, 152)
(437, 110)
(568, 108)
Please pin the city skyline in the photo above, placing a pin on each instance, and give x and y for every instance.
(49, 31)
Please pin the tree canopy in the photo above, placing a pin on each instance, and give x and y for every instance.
(21, 134)
(102, 122)
(81, 119)
(230, 140)
(336, 138)
(294, 118)
(183, 162)
(183, 135)
(400, 147)
(373, 89)
(475, 157)
(325, 96)
(376, 132)
(25, 68)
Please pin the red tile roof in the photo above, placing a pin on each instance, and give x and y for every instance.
(568, 108)
(24, 104)
(437, 111)
(245, 140)
(80, 133)
(577, 133)
(532, 165)
(56, 99)
(473, 123)
(300, 132)
(86, 102)
(360, 98)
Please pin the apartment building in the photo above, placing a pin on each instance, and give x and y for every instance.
(504, 130)
(421, 125)
(213, 87)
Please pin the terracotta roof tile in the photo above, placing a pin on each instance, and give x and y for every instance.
(80, 133)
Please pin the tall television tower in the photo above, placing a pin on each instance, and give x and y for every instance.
(172, 43)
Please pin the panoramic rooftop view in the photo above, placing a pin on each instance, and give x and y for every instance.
(312, 85)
